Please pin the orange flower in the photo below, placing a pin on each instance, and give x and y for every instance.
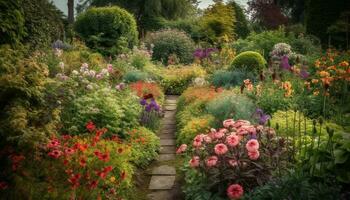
(344, 64)
(324, 73)
(317, 63)
(314, 81)
(316, 92)
(333, 67)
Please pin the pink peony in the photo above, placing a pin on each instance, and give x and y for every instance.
(207, 139)
(228, 123)
(252, 145)
(219, 134)
(212, 161)
(197, 141)
(234, 191)
(233, 162)
(240, 123)
(242, 131)
(194, 162)
(253, 155)
(220, 149)
(181, 149)
(232, 140)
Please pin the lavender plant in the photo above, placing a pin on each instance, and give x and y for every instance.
(151, 113)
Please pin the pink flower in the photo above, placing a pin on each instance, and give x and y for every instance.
(233, 162)
(240, 123)
(211, 161)
(53, 143)
(252, 145)
(181, 149)
(219, 134)
(207, 139)
(220, 149)
(55, 154)
(69, 151)
(234, 191)
(232, 140)
(197, 141)
(194, 162)
(253, 155)
(228, 123)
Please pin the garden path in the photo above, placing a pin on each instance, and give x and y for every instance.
(164, 184)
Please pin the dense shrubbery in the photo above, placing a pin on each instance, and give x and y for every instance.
(109, 30)
(169, 42)
(227, 79)
(11, 22)
(250, 61)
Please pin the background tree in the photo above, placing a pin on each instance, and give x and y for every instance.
(70, 5)
(241, 22)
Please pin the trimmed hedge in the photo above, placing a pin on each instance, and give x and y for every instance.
(249, 60)
(109, 30)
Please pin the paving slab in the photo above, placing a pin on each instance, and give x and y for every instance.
(170, 101)
(160, 195)
(171, 108)
(163, 170)
(166, 157)
(167, 149)
(166, 136)
(171, 97)
(161, 182)
(169, 121)
(169, 127)
(167, 142)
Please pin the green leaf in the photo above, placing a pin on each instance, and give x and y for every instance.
(341, 156)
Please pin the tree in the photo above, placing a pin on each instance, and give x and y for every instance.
(267, 13)
(70, 5)
(241, 22)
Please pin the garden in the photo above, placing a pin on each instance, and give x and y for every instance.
(246, 101)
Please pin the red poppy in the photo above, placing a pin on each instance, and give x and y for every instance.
(90, 126)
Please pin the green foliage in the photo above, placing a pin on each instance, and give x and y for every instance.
(134, 76)
(227, 79)
(109, 30)
(117, 111)
(145, 145)
(320, 14)
(171, 42)
(25, 118)
(250, 61)
(296, 186)
(230, 106)
(190, 26)
(193, 127)
(241, 22)
(185, 112)
(11, 22)
(43, 23)
(218, 22)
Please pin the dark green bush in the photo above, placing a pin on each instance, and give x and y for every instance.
(11, 22)
(134, 76)
(109, 30)
(250, 61)
(169, 42)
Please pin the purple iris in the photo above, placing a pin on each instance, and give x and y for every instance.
(262, 117)
(285, 63)
(148, 108)
(143, 102)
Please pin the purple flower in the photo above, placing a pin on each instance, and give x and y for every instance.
(304, 74)
(285, 63)
(263, 119)
(148, 108)
(143, 102)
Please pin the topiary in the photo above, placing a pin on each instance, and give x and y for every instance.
(109, 30)
(171, 42)
(249, 60)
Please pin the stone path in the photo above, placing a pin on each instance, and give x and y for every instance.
(163, 184)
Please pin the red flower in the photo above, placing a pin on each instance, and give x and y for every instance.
(234, 191)
(104, 157)
(69, 151)
(90, 126)
(3, 185)
(93, 184)
(74, 180)
(81, 147)
(108, 169)
(65, 162)
(82, 162)
(66, 137)
(55, 154)
(123, 175)
(97, 153)
(101, 132)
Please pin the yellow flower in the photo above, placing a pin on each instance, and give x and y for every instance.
(316, 92)
(323, 73)
(314, 81)
(112, 179)
(317, 63)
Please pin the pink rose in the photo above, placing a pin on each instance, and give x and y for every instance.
(240, 123)
(232, 140)
(234, 191)
(220, 149)
(250, 129)
(194, 162)
(181, 149)
(233, 162)
(207, 139)
(228, 123)
(212, 161)
(242, 131)
(252, 145)
(253, 155)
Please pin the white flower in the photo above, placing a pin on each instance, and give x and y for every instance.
(75, 72)
(61, 64)
(92, 73)
(89, 87)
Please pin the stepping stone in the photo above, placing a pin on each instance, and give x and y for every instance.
(166, 157)
(171, 108)
(168, 131)
(164, 170)
(172, 97)
(168, 126)
(169, 122)
(170, 101)
(167, 142)
(160, 195)
(167, 149)
(161, 182)
(167, 136)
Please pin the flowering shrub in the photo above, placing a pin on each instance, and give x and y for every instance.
(280, 50)
(239, 157)
(200, 94)
(144, 88)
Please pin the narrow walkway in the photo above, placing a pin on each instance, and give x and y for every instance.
(163, 184)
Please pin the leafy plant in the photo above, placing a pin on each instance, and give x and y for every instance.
(135, 76)
(250, 61)
(227, 79)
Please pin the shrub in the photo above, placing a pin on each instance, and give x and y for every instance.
(186, 113)
(227, 79)
(11, 22)
(135, 76)
(194, 126)
(145, 145)
(117, 111)
(230, 105)
(200, 94)
(144, 88)
(171, 42)
(139, 57)
(176, 79)
(250, 61)
(240, 155)
(109, 30)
